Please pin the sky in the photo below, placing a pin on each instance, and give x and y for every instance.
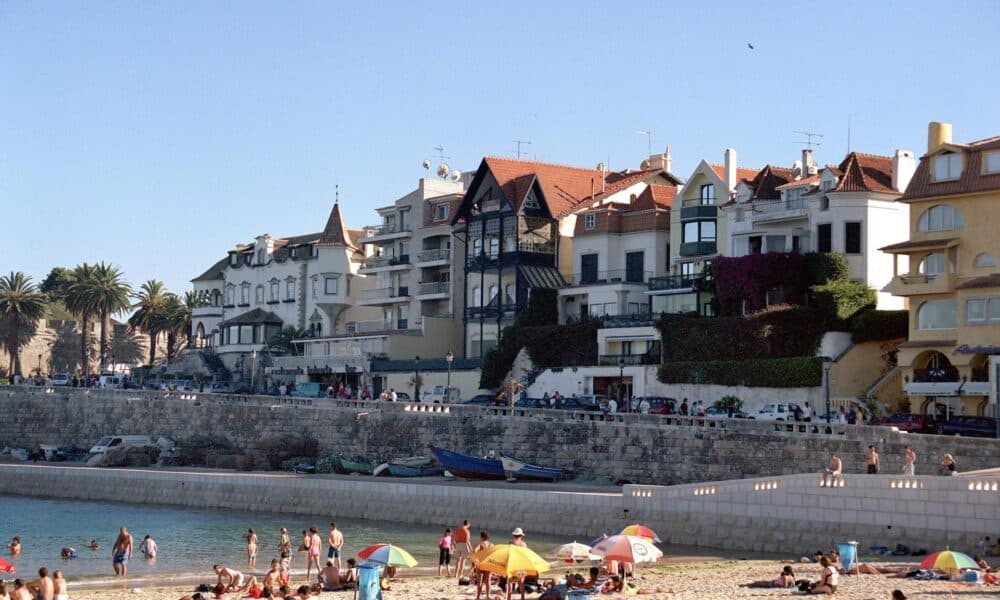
(158, 135)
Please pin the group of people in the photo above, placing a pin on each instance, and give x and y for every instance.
(44, 588)
(873, 464)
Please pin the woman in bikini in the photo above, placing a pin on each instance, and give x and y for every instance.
(251, 539)
(315, 545)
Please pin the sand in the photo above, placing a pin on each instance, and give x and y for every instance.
(700, 580)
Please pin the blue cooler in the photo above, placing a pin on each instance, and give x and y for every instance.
(848, 554)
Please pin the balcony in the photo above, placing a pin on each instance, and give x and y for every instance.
(437, 289)
(611, 277)
(916, 284)
(387, 232)
(206, 311)
(680, 283)
(384, 295)
(935, 375)
(437, 256)
(374, 263)
(701, 211)
(492, 312)
(698, 248)
(380, 326)
(642, 319)
(630, 360)
(779, 210)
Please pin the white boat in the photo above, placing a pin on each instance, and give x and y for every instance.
(49, 451)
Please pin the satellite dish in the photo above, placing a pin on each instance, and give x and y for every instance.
(600, 166)
(456, 175)
(645, 165)
(443, 170)
(427, 164)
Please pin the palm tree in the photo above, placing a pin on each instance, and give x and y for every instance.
(21, 307)
(283, 340)
(79, 302)
(109, 294)
(176, 321)
(148, 314)
(192, 300)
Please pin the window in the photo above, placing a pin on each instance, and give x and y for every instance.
(477, 297)
(332, 285)
(589, 221)
(940, 217)
(994, 311)
(936, 314)
(289, 290)
(824, 233)
(261, 253)
(234, 260)
(441, 212)
(687, 269)
(274, 291)
(984, 259)
(259, 294)
(230, 295)
(707, 194)
(245, 293)
(531, 201)
(699, 231)
(852, 238)
(775, 243)
(934, 264)
(313, 251)
(634, 266)
(947, 166)
(666, 266)
(755, 245)
(508, 294)
(991, 163)
(824, 203)
(975, 310)
(493, 293)
(627, 348)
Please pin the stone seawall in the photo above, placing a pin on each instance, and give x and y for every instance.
(240, 432)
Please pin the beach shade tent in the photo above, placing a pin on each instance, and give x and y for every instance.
(640, 531)
(6, 567)
(388, 555)
(627, 549)
(947, 560)
(369, 586)
(572, 552)
(507, 560)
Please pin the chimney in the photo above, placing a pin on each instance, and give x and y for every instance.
(808, 166)
(904, 164)
(730, 169)
(660, 161)
(937, 135)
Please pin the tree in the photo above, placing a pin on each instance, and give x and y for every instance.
(110, 295)
(148, 315)
(176, 321)
(21, 307)
(56, 284)
(283, 340)
(79, 302)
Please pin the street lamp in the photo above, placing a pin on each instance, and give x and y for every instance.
(253, 370)
(39, 364)
(827, 363)
(447, 390)
(621, 383)
(416, 378)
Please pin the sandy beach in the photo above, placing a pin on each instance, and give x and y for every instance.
(698, 580)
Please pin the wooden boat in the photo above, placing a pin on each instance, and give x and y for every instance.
(407, 471)
(520, 470)
(469, 467)
(347, 465)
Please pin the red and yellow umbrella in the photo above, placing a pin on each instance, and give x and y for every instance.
(947, 560)
(640, 531)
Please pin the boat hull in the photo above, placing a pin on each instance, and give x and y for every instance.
(521, 470)
(469, 467)
(408, 471)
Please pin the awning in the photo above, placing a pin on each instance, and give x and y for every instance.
(905, 247)
(932, 388)
(543, 277)
(976, 388)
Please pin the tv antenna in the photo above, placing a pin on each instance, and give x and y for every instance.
(440, 150)
(520, 143)
(809, 143)
(649, 140)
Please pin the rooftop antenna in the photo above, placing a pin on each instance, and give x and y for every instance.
(440, 151)
(649, 140)
(519, 144)
(809, 143)
(336, 193)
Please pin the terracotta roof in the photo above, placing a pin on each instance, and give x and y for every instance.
(335, 233)
(918, 245)
(766, 181)
(564, 187)
(654, 196)
(214, 273)
(741, 172)
(970, 181)
(986, 281)
(454, 201)
(927, 343)
(811, 180)
(865, 173)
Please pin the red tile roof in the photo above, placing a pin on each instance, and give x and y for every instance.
(564, 187)
(741, 172)
(865, 173)
(335, 233)
(654, 196)
(986, 281)
(766, 181)
(972, 179)
(904, 247)
(811, 180)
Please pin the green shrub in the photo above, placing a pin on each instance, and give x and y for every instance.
(844, 299)
(824, 267)
(880, 325)
(548, 346)
(778, 373)
(729, 403)
(542, 309)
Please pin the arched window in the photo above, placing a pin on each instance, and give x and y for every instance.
(937, 314)
(245, 293)
(259, 295)
(935, 264)
(940, 217)
(508, 296)
(230, 294)
(493, 293)
(984, 259)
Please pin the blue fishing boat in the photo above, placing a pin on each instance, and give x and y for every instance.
(469, 467)
(397, 470)
(520, 470)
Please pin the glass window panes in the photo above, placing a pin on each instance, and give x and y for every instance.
(441, 212)
(852, 238)
(259, 294)
(934, 264)
(947, 166)
(994, 309)
(824, 237)
(589, 221)
(245, 294)
(289, 290)
(707, 194)
(691, 231)
(984, 259)
(936, 314)
(332, 285)
(975, 310)
(992, 162)
(687, 269)
(708, 231)
(274, 291)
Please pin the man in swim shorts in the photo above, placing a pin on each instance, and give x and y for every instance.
(121, 552)
(336, 540)
(234, 578)
(42, 588)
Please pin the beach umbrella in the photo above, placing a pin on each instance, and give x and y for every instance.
(597, 540)
(6, 567)
(627, 549)
(640, 531)
(507, 560)
(388, 555)
(948, 561)
(574, 551)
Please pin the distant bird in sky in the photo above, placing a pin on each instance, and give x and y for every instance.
(749, 45)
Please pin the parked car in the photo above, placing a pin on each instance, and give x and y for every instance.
(403, 397)
(970, 426)
(582, 403)
(109, 382)
(59, 379)
(480, 399)
(530, 403)
(229, 387)
(657, 405)
(911, 423)
(775, 412)
(439, 394)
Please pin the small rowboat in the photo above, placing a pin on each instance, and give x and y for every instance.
(407, 471)
(469, 467)
(520, 470)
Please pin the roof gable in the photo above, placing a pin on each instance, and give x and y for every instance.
(335, 233)
(865, 173)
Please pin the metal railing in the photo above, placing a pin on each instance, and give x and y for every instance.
(394, 228)
(674, 282)
(611, 276)
(435, 287)
(615, 360)
(383, 293)
(773, 206)
(438, 254)
(374, 262)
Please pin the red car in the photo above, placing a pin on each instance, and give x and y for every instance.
(910, 422)
(657, 406)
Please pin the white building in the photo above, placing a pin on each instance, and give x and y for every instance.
(850, 209)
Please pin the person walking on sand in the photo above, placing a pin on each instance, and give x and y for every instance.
(42, 588)
(909, 461)
(444, 553)
(251, 539)
(461, 546)
(336, 540)
(871, 457)
(121, 552)
(315, 546)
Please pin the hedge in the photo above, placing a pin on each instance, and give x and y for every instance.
(844, 299)
(825, 267)
(548, 346)
(777, 373)
(880, 325)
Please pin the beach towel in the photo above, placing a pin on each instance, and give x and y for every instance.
(368, 583)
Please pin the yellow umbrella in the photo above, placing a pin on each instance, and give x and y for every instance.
(507, 560)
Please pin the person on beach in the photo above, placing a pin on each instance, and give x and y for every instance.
(285, 546)
(328, 580)
(251, 539)
(149, 547)
(233, 579)
(42, 588)
(349, 578)
(20, 591)
(121, 552)
(444, 552)
(828, 579)
(336, 540)
(871, 457)
(909, 461)
(15, 546)
(93, 545)
(315, 547)
(59, 586)
(833, 470)
(947, 466)
(3, 590)
(517, 538)
(462, 546)
(785, 580)
(273, 577)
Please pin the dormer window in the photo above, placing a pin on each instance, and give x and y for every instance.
(234, 260)
(991, 163)
(313, 251)
(261, 253)
(947, 166)
(531, 202)
(590, 221)
(441, 212)
(293, 253)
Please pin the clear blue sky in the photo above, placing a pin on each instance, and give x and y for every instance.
(158, 135)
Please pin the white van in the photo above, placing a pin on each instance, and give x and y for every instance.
(109, 442)
(109, 382)
(775, 412)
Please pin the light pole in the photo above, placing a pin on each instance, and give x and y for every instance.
(39, 364)
(621, 383)
(416, 378)
(826, 385)
(253, 370)
(447, 390)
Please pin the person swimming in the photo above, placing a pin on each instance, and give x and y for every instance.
(93, 545)
(68, 553)
(149, 548)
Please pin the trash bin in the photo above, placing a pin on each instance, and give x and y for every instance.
(848, 554)
(369, 587)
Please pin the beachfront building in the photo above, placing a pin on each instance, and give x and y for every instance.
(517, 223)
(948, 271)
(698, 234)
(849, 208)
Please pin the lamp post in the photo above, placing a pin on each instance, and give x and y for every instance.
(416, 378)
(621, 383)
(253, 371)
(827, 362)
(447, 390)
(39, 364)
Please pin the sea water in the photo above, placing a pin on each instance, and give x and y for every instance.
(191, 540)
